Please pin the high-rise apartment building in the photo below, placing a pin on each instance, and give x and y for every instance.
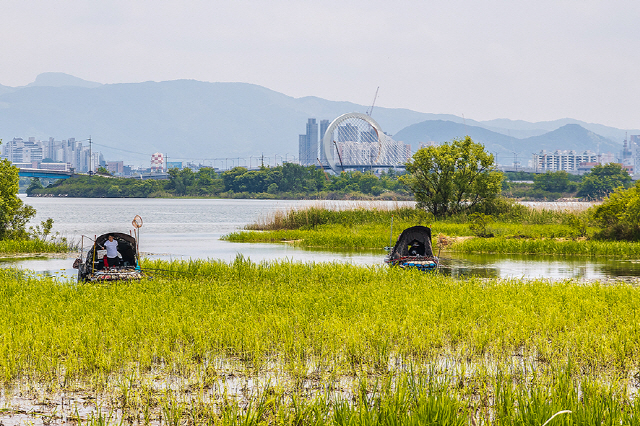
(69, 151)
(562, 160)
(21, 151)
(634, 146)
(308, 144)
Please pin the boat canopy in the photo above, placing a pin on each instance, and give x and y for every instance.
(126, 247)
(414, 241)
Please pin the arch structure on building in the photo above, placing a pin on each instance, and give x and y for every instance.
(355, 141)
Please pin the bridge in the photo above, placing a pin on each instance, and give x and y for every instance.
(45, 174)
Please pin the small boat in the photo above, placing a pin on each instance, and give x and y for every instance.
(95, 268)
(413, 250)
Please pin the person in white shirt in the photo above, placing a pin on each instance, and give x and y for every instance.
(112, 258)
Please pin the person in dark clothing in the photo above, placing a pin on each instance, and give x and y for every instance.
(416, 248)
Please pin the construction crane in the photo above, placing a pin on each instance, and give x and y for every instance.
(322, 168)
(370, 110)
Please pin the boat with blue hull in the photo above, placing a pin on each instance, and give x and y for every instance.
(413, 250)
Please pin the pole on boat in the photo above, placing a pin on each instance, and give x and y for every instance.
(95, 237)
(391, 234)
(137, 224)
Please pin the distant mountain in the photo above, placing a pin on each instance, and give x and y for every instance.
(194, 120)
(185, 119)
(5, 89)
(524, 129)
(570, 136)
(60, 79)
(443, 131)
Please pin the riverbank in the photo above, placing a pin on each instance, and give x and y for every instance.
(323, 343)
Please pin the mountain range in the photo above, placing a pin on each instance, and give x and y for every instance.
(569, 136)
(196, 120)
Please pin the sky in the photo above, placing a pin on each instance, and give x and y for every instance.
(484, 59)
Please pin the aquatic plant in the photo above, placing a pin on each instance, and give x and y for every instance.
(618, 249)
(518, 229)
(274, 342)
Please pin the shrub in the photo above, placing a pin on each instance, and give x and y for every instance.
(619, 215)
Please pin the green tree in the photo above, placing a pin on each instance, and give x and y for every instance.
(454, 177)
(367, 182)
(619, 215)
(603, 180)
(34, 185)
(182, 182)
(273, 188)
(229, 178)
(102, 170)
(554, 182)
(14, 214)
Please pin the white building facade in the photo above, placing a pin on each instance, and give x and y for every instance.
(74, 153)
(568, 161)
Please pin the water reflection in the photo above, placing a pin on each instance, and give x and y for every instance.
(536, 266)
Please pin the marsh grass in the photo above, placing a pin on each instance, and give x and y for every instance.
(345, 214)
(518, 229)
(617, 249)
(32, 246)
(283, 342)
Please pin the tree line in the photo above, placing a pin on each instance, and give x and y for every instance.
(289, 180)
(594, 185)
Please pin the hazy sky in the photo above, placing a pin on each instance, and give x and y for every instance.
(530, 60)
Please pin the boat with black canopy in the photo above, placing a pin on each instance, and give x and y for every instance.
(96, 267)
(413, 250)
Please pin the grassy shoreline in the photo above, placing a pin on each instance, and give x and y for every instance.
(357, 239)
(205, 340)
(14, 247)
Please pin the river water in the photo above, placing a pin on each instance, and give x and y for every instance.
(191, 228)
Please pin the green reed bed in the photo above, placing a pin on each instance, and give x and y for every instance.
(376, 236)
(619, 249)
(378, 213)
(10, 247)
(313, 216)
(369, 228)
(338, 317)
(325, 343)
(408, 399)
(364, 236)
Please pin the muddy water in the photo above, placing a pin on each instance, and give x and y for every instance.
(191, 228)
